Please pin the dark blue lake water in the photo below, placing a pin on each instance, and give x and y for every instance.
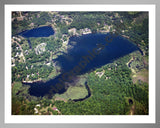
(88, 53)
(44, 31)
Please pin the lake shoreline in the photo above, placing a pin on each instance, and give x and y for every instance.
(92, 40)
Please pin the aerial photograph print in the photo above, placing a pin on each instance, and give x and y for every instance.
(80, 63)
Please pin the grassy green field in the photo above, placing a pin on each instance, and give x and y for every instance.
(76, 91)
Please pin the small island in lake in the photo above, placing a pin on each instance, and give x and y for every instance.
(80, 63)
